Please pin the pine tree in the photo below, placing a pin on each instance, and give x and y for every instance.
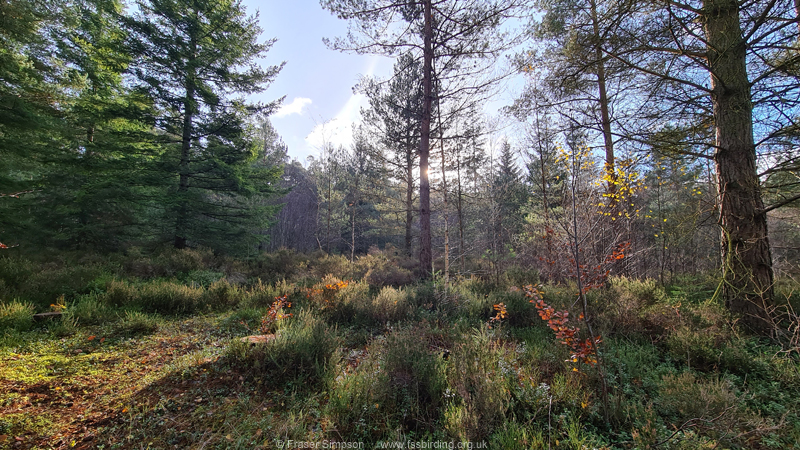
(194, 57)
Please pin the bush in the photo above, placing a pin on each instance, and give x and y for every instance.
(90, 310)
(342, 302)
(262, 295)
(221, 295)
(522, 276)
(281, 265)
(712, 407)
(303, 353)
(170, 262)
(42, 285)
(16, 315)
(480, 394)
(14, 273)
(399, 388)
(703, 331)
(136, 322)
(634, 306)
(321, 265)
(164, 297)
(416, 379)
(201, 278)
(521, 313)
(514, 436)
(390, 305)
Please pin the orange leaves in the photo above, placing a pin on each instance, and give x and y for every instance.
(324, 295)
(336, 286)
(500, 313)
(582, 350)
(274, 314)
(594, 277)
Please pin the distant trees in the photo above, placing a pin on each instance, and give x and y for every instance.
(395, 108)
(446, 36)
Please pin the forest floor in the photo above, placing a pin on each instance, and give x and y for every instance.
(158, 362)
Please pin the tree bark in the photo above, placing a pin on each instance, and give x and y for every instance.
(746, 259)
(425, 253)
(605, 116)
(189, 106)
(409, 194)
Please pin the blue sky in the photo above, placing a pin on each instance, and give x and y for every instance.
(320, 105)
(317, 82)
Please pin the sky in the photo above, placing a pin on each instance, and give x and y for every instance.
(317, 82)
(320, 105)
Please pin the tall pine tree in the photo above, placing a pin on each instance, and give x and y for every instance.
(196, 58)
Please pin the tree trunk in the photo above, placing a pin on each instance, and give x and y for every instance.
(189, 108)
(425, 253)
(605, 116)
(746, 259)
(409, 195)
(460, 212)
(444, 204)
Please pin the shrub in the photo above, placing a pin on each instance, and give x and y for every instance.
(704, 330)
(136, 322)
(170, 262)
(398, 388)
(14, 273)
(262, 295)
(243, 320)
(521, 312)
(522, 276)
(303, 353)
(711, 407)
(201, 278)
(416, 380)
(89, 310)
(386, 273)
(221, 295)
(480, 394)
(514, 436)
(634, 306)
(173, 261)
(356, 403)
(343, 302)
(164, 297)
(16, 315)
(280, 265)
(53, 280)
(66, 326)
(321, 265)
(390, 305)
(475, 307)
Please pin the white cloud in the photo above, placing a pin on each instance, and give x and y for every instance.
(339, 130)
(296, 107)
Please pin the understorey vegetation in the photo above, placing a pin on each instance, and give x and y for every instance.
(147, 352)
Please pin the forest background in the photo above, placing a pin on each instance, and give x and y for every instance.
(654, 143)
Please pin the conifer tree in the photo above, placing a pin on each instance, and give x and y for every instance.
(197, 58)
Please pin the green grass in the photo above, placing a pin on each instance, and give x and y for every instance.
(156, 361)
